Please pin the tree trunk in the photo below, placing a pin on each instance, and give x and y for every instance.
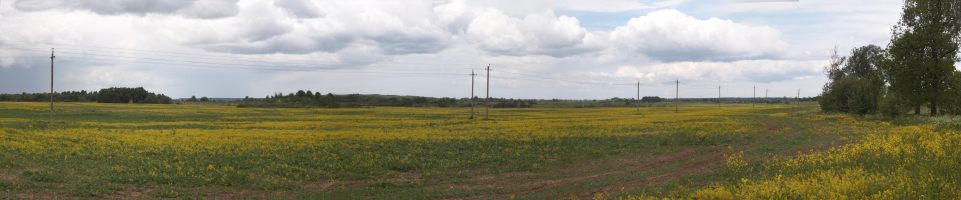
(917, 109)
(934, 107)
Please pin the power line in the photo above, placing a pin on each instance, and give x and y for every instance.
(168, 60)
(304, 68)
(233, 65)
(214, 58)
(558, 80)
(106, 47)
(567, 81)
(328, 68)
(181, 63)
(198, 55)
(570, 81)
(101, 55)
(177, 63)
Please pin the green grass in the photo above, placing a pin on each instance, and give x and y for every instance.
(216, 151)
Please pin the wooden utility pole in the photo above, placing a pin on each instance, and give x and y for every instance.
(718, 96)
(472, 75)
(51, 84)
(798, 98)
(677, 95)
(487, 102)
(638, 97)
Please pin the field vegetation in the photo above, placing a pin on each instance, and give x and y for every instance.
(219, 151)
(855, 143)
(904, 158)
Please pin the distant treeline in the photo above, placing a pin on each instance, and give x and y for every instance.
(655, 101)
(307, 98)
(106, 95)
(760, 100)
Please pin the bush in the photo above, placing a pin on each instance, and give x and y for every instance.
(853, 95)
(893, 105)
(130, 95)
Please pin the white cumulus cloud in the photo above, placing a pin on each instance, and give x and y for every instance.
(604, 41)
(673, 36)
(542, 33)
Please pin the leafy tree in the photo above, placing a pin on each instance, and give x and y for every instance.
(858, 85)
(834, 69)
(831, 99)
(65, 96)
(106, 95)
(864, 62)
(315, 99)
(923, 51)
(130, 95)
(651, 99)
(892, 104)
(953, 103)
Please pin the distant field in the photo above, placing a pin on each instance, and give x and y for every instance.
(216, 151)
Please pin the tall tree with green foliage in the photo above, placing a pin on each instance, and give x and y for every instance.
(864, 62)
(923, 51)
(865, 79)
(830, 99)
(857, 85)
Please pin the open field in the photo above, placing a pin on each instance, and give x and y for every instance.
(215, 151)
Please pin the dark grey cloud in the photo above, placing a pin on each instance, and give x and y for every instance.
(263, 29)
(399, 44)
(390, 44)
(695, 53)
(205, 9)
(288, 44)
(557, 52)
(25, 75)
(300, 8)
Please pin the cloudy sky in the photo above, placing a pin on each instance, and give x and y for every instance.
(536, 48)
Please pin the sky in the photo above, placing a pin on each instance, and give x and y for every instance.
(544, 49)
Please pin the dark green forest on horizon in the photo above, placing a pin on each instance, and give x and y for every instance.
(106, 95)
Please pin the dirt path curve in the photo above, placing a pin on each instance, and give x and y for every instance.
(609, 175)
(683, 162)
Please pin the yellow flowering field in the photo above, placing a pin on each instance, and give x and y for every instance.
(95, 150)
(916, 161)
(915, 158)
